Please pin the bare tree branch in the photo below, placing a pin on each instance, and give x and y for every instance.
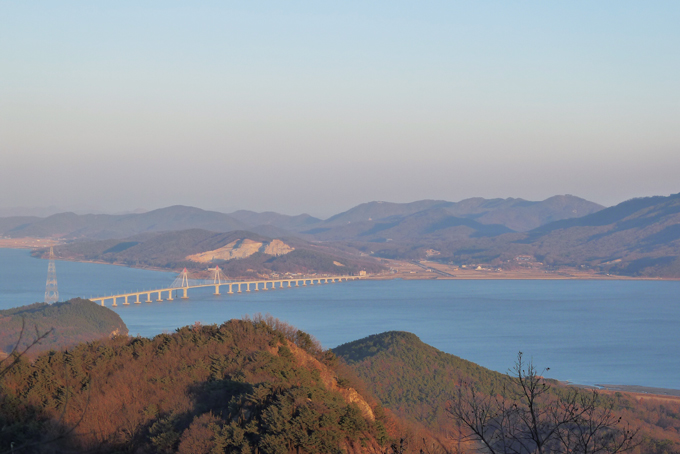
(16, 354)
(531, 419)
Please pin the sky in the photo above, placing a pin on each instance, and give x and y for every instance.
(308, 106)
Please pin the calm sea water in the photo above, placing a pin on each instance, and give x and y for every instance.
(615, 332)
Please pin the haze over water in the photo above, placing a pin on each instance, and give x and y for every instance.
(608, 332)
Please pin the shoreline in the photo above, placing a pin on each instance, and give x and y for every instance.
(472, 277)
(639, 390)
(420, 275)
(635, 389)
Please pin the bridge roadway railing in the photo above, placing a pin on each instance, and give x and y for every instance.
(241, 286)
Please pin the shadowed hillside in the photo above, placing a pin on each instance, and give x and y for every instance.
(199, 249)
(640, 237)
(71, 322)
(412, 378)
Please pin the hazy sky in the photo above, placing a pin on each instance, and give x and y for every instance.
(317, 106)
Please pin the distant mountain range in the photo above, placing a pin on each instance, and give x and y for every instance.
(640, 237)
(516, 214)
(512, 214)
(105, 226)
(637, 237)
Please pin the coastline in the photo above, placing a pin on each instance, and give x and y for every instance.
(27, 243)
(666, 392)
(637, 391)
(399, 269)
(640, 391)
(466, 275)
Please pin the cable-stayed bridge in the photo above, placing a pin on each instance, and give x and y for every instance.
(183, 283)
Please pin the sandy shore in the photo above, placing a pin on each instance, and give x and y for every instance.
(425, 270)
(400, 269)
(27, 243)
(638, 392)
(642, 390)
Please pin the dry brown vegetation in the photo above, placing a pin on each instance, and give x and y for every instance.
(254, 385)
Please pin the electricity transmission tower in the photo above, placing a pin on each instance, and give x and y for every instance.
(51, 290)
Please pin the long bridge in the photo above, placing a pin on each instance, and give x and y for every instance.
(183, 283)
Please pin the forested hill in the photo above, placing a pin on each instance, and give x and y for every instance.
(238, 253)
(412, 378)
(68, 323)
(418, 382)
(262, 386)
(247, 386)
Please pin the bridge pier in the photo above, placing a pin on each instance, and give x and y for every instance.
(282, 283)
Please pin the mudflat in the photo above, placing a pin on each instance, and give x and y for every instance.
(426, 269)
(675, 393)
(27, 243)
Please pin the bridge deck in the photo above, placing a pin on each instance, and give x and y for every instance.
(256, 283)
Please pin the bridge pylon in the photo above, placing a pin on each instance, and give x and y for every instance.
(182, 280)
(51, 289)
(217, 279)
(217, 276)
